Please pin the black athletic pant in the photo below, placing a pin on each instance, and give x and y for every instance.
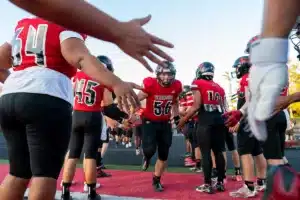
(37, 130)
(86, 132)
(211, 137)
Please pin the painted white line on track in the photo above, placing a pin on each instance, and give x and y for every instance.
(83, 196)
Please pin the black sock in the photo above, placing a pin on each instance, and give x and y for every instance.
(214, 172)
(250, 185)
(155, 179)
(92, 189)
(66, 188)
(261, 181)
(198, 163)
(98, 159)
(237, 170)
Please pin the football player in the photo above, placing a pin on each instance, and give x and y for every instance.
(188, 161)
(161, 94)
(89, 98)
(248, 146)
(269, 73)
(45, 57)
(209, 100)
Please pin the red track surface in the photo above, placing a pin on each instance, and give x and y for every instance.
(138, 184)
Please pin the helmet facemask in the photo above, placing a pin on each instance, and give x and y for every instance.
(295, 37)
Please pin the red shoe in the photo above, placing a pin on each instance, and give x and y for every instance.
(188, 162)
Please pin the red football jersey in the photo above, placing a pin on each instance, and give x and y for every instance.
(88, 93)
(212, 95)
(37, 43)
(160, 99)
(243, 85)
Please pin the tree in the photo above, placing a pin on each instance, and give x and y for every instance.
(294, 86)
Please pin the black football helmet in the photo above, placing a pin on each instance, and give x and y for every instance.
(206, 71)
(106, 62)
(186, 88)
(165, 74)
(295, 37)
(253, 39)
(242, 66)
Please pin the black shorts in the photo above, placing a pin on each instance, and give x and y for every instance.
(86, 134)
(37, 130)
(247, 143)
(274, 145)
(137, 131)
(229, 141)
(157, 135)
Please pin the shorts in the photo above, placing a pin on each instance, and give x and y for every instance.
(229, 141)
(37, 130)
(86, 131)
(247, 143)
(274, 145)
(157, 135)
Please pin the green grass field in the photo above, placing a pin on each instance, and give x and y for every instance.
(138, 168)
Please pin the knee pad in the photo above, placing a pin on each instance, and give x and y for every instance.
(163, 153)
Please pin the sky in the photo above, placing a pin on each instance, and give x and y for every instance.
(216, 31)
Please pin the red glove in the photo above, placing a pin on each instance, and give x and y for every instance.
(232, 118)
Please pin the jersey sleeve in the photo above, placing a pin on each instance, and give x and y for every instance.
(195, 85)
(147, 84)
(66, 34)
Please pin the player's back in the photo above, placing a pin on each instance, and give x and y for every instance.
(37, 59)
(37, 43)
(212, 101)
(88, 93)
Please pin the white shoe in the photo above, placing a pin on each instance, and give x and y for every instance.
(266, 82)
(126, 146)
(130, 144)
(86, 189)
(260, 188)
(138, 151)
(243, 192)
